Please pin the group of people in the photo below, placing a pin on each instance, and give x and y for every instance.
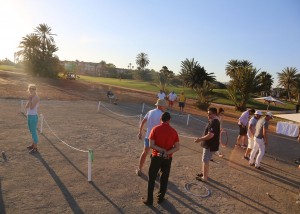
(172, 98)
(256, 131)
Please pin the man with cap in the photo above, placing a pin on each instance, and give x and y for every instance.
(164, 141)
(260, 140)
(251, 132)
(152, 118)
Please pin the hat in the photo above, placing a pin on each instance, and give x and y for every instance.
(258, 113)
(161, 102)
(269, 114)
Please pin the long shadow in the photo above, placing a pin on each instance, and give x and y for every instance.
(2, 206)
(268, 174)
(228, 190)
(107, 198)
(170, 208)
(67, 159)
(68, 196)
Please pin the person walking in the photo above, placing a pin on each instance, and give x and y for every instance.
(260, 140)
(243, 124)
(182, 100)
(210, 142)
(164, 141)
(251, 132)
(32, 116)
(172, 98)
(152, 118)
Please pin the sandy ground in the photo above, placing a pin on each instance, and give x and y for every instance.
(55, 179)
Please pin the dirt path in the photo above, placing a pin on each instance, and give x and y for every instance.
(55, 180)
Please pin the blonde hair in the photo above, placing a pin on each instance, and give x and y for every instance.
(33, 86)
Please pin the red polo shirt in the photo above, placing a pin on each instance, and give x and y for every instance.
(164, 136)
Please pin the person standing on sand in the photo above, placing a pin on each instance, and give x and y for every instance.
(172, 98)
(32, 116)
(152, 118)
(210, 142)
(260, 140)
(251, 132)
(161, 95)
(164, 141)
(243, 124)
(182, 100)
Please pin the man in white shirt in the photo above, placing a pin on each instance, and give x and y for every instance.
(161, 95)
(243, 124)
(172, 98)
(152, 118)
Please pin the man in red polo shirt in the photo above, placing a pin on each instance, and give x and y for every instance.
(164, 141)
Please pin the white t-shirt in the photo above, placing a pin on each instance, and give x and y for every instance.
(244, 118)
(153, 119)
(172, 96)
(161, 95)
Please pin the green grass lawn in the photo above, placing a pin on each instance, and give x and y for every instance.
(8, 68)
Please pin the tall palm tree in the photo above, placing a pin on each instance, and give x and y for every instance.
(30, 47)
(142, 60)
(265, 81)
(243, 81)
(43, 31)
(287, 79)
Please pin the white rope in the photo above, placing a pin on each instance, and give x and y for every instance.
(191, 137)
(121, 115)
(187, 189)
(62, 140)
(198, 120)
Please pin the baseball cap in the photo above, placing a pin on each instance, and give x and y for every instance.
(161, 102)
(269, 114)
(258, 113)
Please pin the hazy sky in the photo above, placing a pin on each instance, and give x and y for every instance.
(265, 32)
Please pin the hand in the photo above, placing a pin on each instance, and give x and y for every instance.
(197, 140)
(30, 97)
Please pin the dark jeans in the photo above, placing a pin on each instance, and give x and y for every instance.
(158, 163)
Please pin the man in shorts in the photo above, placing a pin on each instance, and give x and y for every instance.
(172, 97)
(243, 124)
(152, 118)
(210, 142)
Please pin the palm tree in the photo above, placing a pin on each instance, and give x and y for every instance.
(29, 45)
(142, 60)
(243, 81)
(43, 31)
(287, 79)
(265, 82)
(194, 75)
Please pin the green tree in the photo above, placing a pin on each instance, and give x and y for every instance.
(265, 81)
(164, 78)
(37, 52)
(243, 82)
(287, 79)
(142, 60)
(195, 76)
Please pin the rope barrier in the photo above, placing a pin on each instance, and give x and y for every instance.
(121, 115)
(80, 150)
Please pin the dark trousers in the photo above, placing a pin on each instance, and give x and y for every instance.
(158, 163)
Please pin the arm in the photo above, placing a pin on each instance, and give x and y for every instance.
(209, 135)
(141, 128)
(174, 149)
(157, 148)
(32, 101)
(265, 134)
(251, 130)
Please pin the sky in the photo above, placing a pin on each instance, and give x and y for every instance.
(264, 32)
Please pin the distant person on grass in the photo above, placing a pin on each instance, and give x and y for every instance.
(152, 118)
(243, 124)
(161, 95)
(210, 142)
(164, 141)
(172, 98)
(32, 116)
